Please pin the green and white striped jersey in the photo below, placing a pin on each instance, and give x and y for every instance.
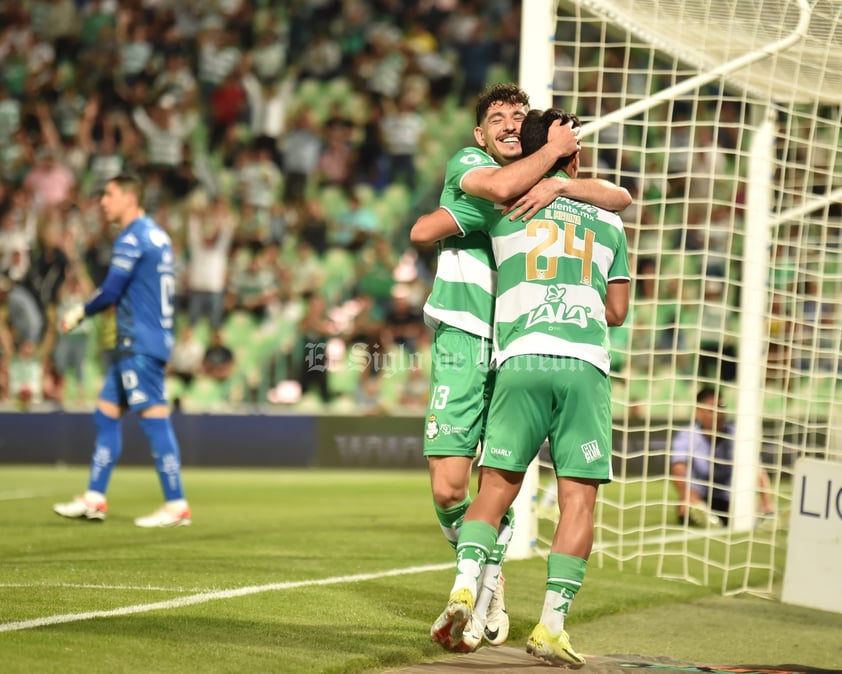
(466, 277)
(552, 278)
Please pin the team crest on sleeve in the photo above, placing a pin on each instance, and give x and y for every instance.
(432, 428)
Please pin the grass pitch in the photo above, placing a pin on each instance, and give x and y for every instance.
(304, 571)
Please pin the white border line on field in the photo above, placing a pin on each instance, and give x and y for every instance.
(205, 597)
(96, 586)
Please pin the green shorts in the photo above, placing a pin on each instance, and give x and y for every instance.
(460, 391)
(566, 400)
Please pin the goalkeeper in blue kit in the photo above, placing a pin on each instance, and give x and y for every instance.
(141, 285)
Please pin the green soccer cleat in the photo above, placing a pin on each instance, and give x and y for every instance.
(449, 629)
(553, 648)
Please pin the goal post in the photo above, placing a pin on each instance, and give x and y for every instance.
(722, 117)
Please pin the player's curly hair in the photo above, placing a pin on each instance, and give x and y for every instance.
(506, 92)
(536, 124)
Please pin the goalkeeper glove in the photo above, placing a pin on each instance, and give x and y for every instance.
(72, 317)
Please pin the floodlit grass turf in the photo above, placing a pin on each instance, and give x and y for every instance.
(261, 527)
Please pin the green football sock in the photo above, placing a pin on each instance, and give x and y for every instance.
(450, 519)
(476, 540)
(565, 575)
(498, 553)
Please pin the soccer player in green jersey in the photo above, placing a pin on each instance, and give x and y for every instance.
(562, 279)
(461, 307)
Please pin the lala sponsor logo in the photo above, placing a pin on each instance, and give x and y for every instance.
(556, 310)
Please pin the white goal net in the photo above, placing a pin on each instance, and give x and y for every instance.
(722, 117)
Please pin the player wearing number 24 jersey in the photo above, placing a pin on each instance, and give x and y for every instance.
(461, 311)
(140, 284)
(562, 279)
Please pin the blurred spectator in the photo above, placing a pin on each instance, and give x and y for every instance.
(269, 54)
(415, 392)
(307, 270)
(301, 148)
(176, 79)
(106, 136)
(218, 361)
(49, 267)
(10, 113)
(253, 288)
(338, 157)
(258, 184)
(165, 132)
(403, 134)
(209, 234)
(135, 48)
(268, 105)
(218, 54)
(353, 225)
(61, 27)
(20, 312)
(372, 163)
(228, 106)
(50, 182)
(188, 353)
(314, 329)
(26, 376)
(717, 336)
(64, 353)
(321, 58)
(96, 20)
(312, 225)
(403, 322)
(368, 396)
(15, 235)
(468, 31)
(375, 265)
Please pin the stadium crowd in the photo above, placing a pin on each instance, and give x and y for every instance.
(281, 146)
(287, 148)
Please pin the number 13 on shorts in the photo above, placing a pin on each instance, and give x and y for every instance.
(438, 399)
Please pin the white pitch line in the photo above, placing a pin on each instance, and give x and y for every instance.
(19, 495)
(205, 597)
(93, 586)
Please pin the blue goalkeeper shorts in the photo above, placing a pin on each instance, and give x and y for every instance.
(135, 382)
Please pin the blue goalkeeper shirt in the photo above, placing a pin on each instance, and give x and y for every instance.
(141, 283)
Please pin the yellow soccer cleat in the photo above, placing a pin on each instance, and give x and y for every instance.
(450, 626)
(553, 648)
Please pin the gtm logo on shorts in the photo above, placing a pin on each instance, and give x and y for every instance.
(591, 451)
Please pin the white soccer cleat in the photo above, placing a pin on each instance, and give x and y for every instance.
(699, 516)
(165, 517)
(82, 509)
(471, 637)
(497, 619)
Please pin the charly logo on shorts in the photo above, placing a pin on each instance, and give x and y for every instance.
(591, 451)
(432, 427)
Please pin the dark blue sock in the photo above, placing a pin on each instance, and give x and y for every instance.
(109, 446)
(167, 457)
